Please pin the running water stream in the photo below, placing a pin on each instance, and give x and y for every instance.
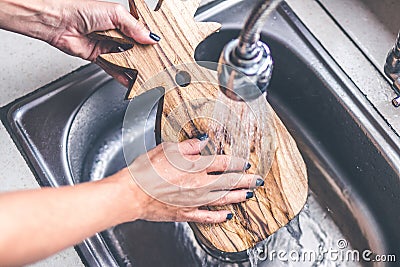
(234, 129)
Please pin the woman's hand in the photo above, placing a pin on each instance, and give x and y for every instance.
(172, 181)
(67, 24)
(81, 18)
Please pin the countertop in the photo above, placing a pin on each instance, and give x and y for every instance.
(28, 64)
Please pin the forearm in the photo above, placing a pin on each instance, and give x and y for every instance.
(34, 18)
(37, 223)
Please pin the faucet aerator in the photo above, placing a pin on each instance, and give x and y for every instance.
(245, 65)
(245, 78)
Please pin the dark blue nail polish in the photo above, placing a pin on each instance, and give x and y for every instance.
(202, 137)
(259, 182)
(229, 216)
(248, 166)
(155, 37)
(249, 195)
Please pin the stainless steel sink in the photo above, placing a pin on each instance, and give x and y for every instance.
(70, 132)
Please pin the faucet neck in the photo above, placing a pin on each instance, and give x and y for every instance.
(250, 33)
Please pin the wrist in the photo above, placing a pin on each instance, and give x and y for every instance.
(128, 196)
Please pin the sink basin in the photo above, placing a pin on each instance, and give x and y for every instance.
(70, 132)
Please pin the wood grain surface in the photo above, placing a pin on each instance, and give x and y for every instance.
(188, 109)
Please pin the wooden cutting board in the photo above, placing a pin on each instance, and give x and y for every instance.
(188, 107)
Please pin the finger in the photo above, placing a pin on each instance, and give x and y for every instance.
(207, 216)
(212, 164)
(221, 163)
(235, 196)
(230, 181)
(133, 28)
(193, 146)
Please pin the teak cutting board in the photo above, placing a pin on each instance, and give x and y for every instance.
(185, 113)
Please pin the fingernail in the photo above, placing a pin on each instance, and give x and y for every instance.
(249, 195)
(155, 37)
(229, 216)
(259, 182)
(248, 166)
(202, 137)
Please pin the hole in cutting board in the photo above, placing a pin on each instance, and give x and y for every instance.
(182, 78)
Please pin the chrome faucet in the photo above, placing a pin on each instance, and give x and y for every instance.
(246, 63)
(392, 69)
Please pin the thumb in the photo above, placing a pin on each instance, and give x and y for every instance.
(133, 28)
